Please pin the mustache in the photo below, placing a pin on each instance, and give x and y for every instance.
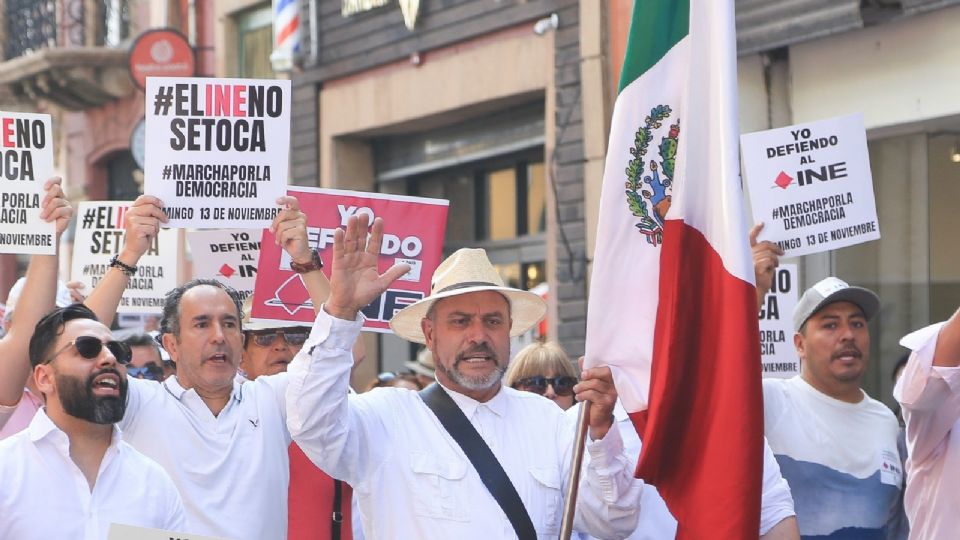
(481, 348)
(104, 371)
(852, 350)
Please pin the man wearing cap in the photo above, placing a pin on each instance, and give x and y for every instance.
(929, 391)
(390, 445)
(69, 475)
(836, 446)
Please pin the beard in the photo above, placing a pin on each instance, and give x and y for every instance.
(476, 382)
(78, 400)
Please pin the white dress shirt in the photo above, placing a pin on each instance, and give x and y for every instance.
(411, 478)
(43, 494)
(656, 521)
(930, 396)
(233, 469)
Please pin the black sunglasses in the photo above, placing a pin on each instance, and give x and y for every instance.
(562, 386)
(266, 338)
(89, 347)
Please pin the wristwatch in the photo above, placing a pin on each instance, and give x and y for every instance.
(303, 268)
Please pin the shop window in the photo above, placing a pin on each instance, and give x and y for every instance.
(124, 179)
(255, 43)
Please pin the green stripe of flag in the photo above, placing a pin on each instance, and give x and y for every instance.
(656, 27)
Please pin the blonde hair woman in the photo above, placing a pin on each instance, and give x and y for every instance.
(543, 368)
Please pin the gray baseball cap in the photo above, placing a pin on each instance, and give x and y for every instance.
(828, 291)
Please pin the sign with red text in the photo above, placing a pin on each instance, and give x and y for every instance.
(778, 355)
(26, 162)
(228, 256)
(217, 150)
(811, 185)
(100, 235)
(413, 234)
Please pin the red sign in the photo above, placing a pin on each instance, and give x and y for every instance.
(160, 53)
(413, 234)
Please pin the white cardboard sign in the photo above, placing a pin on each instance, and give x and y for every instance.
(26, 162)
(811, 186)
(119, 531)
(99, 237)
(778, 354)
(217, 150)
(228, 256)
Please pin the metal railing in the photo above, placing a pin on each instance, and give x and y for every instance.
(32, 25)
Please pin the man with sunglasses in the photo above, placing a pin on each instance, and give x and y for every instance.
(69, 474)
(147, 362)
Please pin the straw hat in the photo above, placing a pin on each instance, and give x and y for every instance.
(467, 271)
(423, 365)
(265, 324)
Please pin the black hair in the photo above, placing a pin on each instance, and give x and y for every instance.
(901, 362)
(170, 322)
(51, 326)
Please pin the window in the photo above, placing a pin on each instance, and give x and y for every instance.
(255, 43)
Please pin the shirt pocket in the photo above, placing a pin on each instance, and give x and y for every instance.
(441, 490)
(547, 498)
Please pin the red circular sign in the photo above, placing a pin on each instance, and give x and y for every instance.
(160, 53)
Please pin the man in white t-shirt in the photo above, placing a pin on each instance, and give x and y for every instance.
(836, 446)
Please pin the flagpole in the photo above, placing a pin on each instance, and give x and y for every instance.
(570, 500)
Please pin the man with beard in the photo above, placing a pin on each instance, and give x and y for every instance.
(69, 475)
(836, 446)
(390, 445)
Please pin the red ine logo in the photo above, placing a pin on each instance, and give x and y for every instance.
(226, 271)
(783, 180)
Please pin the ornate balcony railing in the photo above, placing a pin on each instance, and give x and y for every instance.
(33, 25)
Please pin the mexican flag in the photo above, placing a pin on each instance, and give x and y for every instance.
(672, 305)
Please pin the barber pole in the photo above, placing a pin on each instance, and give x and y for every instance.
(286, 34)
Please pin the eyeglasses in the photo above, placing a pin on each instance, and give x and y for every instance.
(562, 386)
(89, 347)
(150, 371)
(266, 338)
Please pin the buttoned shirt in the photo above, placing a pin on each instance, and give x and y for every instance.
(43, 494)
(232, 470)
(930, 396)
(411, 478)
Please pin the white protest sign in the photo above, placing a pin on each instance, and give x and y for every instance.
(217, 150)
(26, 162)
(228, 256)
(119, 531)
(778, 355)
(99, 237)
(811, 185)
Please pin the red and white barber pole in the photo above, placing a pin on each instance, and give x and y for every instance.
(286, 34)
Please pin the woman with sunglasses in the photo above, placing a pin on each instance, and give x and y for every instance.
(543, 368)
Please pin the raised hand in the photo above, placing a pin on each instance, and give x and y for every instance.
(290, 230)
(766, 258)
(55, 206)
(354, 279)
(142, 223)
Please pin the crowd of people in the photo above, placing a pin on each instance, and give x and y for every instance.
(226, 426)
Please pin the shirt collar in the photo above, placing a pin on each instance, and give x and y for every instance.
(497, 404)
(172, 384)
(42, 427)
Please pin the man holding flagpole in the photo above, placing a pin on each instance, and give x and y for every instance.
(672, 252)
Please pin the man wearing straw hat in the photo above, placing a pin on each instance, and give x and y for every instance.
(413, 479)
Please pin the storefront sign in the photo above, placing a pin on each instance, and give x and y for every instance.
(160, 53)
(229, 257)
(26, 162)
(778, 354)
(811, 185)
(413, 234)
(409, 8)
(217, 150)
(100, 236)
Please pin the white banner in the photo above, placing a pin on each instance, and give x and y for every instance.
(811, 186)
(119, 531)
(26, 162)
(228, 256)
(778, 354)
(99, 237)
(217, 150)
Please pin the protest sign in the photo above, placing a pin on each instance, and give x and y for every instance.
(413, 234)
(119, 531)
(228, 256)
(811, 186)
(26, 162)
(778, 354)
(99, 237)
(217, 150)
